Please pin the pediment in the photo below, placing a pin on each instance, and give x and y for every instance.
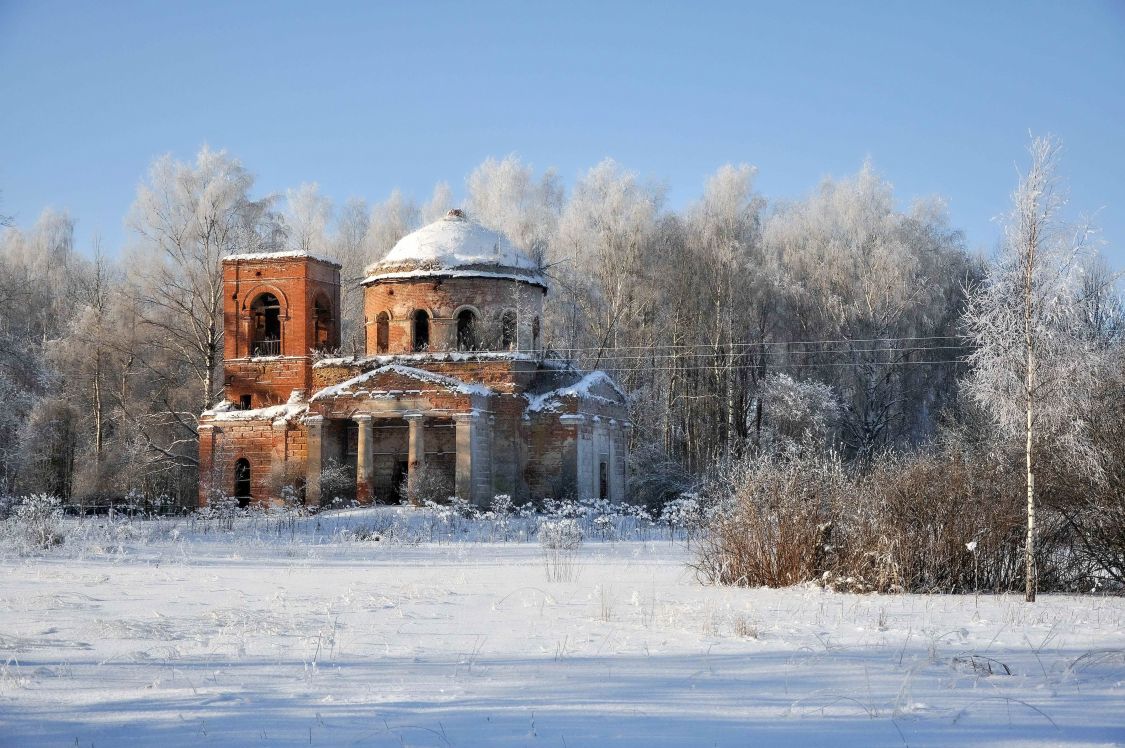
(395, 378)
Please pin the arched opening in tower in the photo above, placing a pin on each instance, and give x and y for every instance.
(421, 331)
(323, 324)
(467, 339)
(508, 330)
(265, 314)
(382, 333)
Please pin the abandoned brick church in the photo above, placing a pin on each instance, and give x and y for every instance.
(456, 393)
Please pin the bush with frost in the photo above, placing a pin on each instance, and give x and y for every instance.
(34, 523)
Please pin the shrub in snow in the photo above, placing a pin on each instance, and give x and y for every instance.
(35, 523)
(563, 534)
(221, 508)
(337, 483)
(501, 510)
(684, 514)
(947, 519)
(501, 505)
(560, 540)
(427, 484)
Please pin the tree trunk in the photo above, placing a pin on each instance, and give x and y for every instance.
(1029, 348)
(98, 411)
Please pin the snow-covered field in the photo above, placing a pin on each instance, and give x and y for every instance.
(176, 633)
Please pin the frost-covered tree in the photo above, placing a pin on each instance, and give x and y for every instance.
(801, 415)
(506, 196)
(606, 233)
(348, 248)
(440, 203)
(882, 285)
(306, 219)
(1033, 368)
(185, 219)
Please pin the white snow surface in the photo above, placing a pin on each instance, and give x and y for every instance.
(443, 356)
(225, 411)
(534, 279)
(355, 385)
(580, 389)
(283, 255)
(274, 633)
(452, 242)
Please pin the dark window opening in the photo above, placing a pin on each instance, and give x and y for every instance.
(324, 328)
(603, 480)
(242, 482)
(421, 330)
(535, 334)
(351, 439)
(382, 332)
(265, 326)
(244, 402)
(467, 339)
(508, 330)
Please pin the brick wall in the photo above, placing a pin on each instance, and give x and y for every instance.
(276, 455)
(442, 299)
(297, 282)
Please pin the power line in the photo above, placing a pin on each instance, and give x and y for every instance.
(611, 356)
(755, 344)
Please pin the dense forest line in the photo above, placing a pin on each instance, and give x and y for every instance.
(740, 325)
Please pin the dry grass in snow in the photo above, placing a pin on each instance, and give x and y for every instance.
(222, 638)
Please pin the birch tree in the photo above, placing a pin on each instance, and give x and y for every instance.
(186, 218)
(307, 215)
(506, 196)
(1033, 368)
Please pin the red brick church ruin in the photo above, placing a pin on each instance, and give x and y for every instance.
(456, 394)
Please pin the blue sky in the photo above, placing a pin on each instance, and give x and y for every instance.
(366, 97)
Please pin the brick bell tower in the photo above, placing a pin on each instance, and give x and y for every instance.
(279, 308)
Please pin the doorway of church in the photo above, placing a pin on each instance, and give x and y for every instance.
(398, 481)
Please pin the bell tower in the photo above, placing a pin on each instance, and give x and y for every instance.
(279, 309)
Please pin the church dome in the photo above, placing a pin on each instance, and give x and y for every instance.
(455, 246)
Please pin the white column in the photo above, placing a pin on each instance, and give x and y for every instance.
(315, 426)
(416, 452)
(464, 426)
(583, 463)
(363, 467)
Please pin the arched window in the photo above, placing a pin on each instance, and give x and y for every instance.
(265, 325)
(242, 482)
(382, 332)
(421, 330)
(508, 330)
(467, 338)
(323, 325)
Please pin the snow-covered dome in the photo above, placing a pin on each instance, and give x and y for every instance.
(455, 246)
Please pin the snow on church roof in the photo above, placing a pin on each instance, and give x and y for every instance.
(455, 246)
(583, 388)
(354, 387)
(283, 255)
